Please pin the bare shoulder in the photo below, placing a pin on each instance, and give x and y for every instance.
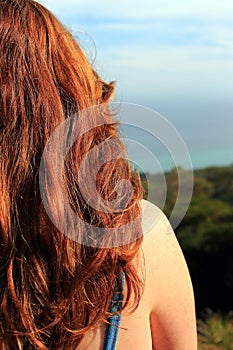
(168, 283)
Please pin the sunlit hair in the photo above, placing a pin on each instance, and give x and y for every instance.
(52, 288)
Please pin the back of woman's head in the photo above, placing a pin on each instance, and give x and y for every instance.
(53, 288)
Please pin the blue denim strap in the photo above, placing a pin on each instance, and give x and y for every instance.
(112, 328)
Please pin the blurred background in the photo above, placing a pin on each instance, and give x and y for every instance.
(176, 57)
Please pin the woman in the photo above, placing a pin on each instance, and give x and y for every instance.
(55, 292)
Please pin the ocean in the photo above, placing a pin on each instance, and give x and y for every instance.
(154, 133)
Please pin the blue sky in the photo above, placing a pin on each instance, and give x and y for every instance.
(168, 46)
(175, 56)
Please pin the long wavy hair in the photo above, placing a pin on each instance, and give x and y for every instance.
(53, 289)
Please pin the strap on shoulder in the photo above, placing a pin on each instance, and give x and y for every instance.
(112, 328)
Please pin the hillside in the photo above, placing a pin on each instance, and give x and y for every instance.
(205, 233)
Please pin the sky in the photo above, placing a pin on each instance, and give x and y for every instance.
(173, 56)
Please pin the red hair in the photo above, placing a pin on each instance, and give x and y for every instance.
(52, 288)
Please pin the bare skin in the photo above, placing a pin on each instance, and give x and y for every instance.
(165, 318)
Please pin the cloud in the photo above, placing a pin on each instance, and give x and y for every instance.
(167, 72)
(156, 22)
(157, 48)
(146, 9)
(161, 32)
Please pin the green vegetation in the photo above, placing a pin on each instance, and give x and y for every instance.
(206, 237)
(215, 331)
